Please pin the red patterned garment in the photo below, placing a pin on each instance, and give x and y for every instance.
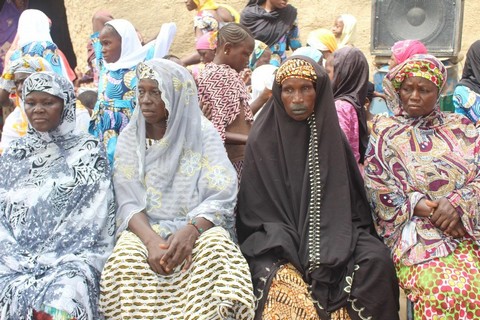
(222, 88)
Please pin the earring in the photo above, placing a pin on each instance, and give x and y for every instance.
(225, 52)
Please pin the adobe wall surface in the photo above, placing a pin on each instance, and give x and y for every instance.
(148, 16)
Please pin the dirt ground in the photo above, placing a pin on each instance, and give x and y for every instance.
(148, 16)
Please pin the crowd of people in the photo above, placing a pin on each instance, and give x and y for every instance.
(246, 180)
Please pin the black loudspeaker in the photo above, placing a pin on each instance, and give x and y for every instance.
(437, 23)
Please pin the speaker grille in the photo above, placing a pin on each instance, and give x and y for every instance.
(437, 23)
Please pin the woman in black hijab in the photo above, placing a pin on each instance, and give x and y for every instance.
(350, 87)
(466, 97)
(304, 223)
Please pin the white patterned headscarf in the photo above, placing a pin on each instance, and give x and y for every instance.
(184, 175)
(60, 87)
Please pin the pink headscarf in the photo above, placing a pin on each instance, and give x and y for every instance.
(208, 41)
(405, 49)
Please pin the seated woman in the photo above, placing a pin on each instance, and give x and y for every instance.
(466, 97)
(57, 210)
(422, 179)
(176, 191)
(303, 219)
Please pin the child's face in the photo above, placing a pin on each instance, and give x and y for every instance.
(337, 28)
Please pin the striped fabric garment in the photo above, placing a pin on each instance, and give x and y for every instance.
(217, 285)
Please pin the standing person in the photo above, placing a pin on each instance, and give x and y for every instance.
(56, 210)
(466, 97)
(273, 22)
(222, 89)
(15, 125)
(34, 39)
(10, 11)
(56, 11)
(118, 51)
(405, 49)
(350, 87)
(422, 179)
(176, 191)
(303, 219)
(345, 30)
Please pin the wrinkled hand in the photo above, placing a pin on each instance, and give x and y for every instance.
(446, 218)
(179, 248)
(155, 254)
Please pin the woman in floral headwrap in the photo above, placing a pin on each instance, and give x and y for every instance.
(423, 182)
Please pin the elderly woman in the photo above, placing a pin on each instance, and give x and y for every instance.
(466, 97)
(56, 210)
(176, 191)
(304, 221)
(423, 182)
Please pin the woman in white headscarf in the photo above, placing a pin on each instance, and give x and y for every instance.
(33, 39)
(56, 211)
(176, 192)
(118, 50)
(345, 29)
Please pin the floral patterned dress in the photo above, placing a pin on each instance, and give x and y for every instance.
(431, 157)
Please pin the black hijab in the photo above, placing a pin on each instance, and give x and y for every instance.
(350, 83)
(274, 196)
(267, 27)
(471, 70)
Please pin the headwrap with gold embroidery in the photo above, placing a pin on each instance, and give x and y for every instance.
(296, 68)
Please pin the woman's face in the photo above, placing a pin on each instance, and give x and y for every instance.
(18, 80)
(337, 28)
(418, 96)
(206, 55)
(111, 44)
(238, 55)
(298, 97)
(43, 110)
(151, 103)
(278, 4)
(191, 5)
(392, 62)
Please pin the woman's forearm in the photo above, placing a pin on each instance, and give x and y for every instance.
(140, 225)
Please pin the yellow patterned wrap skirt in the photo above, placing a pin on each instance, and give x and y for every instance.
(289, 299)
(217, 285)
